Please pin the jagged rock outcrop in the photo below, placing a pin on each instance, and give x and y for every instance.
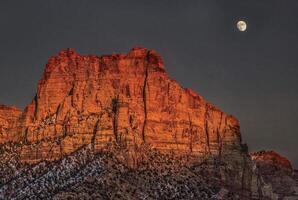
(273, 177)
(127, 99)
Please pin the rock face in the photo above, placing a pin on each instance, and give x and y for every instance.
(273, 177)
(8, 122)
(127, 99)
(123, 98)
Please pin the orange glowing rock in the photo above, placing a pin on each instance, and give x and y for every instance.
(123, 98)
(128, 100)
(8, 122)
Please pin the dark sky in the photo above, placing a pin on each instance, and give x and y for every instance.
(252, 75)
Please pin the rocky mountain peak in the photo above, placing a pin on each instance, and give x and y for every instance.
(87, 105)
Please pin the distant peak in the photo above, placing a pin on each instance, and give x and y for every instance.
(272, 158)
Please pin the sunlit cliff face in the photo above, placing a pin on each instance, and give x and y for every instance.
(126, 98)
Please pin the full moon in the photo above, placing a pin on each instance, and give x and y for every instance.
(241, 25)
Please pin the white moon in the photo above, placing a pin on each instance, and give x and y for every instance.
(241, 25)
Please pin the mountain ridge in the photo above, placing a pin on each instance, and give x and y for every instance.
(124, 101)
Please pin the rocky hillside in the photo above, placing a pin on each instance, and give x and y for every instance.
(119, 121)
(85, 174)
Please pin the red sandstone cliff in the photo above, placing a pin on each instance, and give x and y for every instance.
(127, 99)
(122, 97)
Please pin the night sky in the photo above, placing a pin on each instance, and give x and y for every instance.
(252, 75)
